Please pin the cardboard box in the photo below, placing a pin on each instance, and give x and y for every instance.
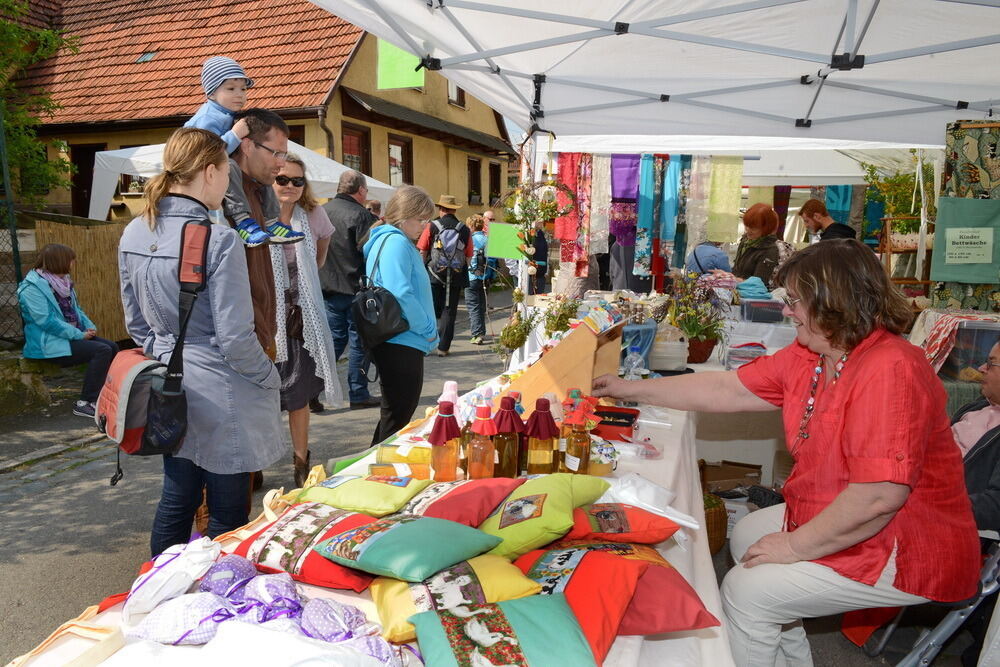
(726, 475)
(736, 509)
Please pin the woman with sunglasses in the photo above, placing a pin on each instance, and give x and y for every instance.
(306, 359)
(876, 512)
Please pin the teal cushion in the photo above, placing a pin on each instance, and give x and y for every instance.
(407, 547)
(539, 630)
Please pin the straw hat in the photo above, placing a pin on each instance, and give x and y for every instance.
(448, 201)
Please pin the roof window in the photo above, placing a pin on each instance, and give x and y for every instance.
(146, 57)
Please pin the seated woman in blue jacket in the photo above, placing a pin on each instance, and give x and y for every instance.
(56, 328)
(392, 261)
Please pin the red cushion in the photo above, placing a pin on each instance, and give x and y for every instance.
(620, 523)
(468, 501)
(663, 602)
(598, 588)
(286, 545)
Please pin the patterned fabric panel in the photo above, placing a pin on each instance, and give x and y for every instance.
(285, 545)
(555, 568)
(484, 637)
(352, 544)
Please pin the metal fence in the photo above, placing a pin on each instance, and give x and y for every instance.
(10, 256)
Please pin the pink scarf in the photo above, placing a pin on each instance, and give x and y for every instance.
(61, 285)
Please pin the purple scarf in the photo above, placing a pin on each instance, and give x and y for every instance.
(624, 192)
(62, 289)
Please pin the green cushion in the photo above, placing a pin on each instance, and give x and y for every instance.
(540, 511)
(374, 495)
(407, 547)
(540, 631)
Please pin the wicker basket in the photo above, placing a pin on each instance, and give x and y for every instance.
(716, 521)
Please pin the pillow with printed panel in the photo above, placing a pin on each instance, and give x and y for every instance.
(663, 601)
(598, 588)
(374, 495)
(467, 501)
(406, 547)
(286, 545)
(539, 630)
(540, 511)
(619, 522)
(461, 587)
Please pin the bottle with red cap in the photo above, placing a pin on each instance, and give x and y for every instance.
(507, 438)
(481, 452)
(444, 437)
(542, 439)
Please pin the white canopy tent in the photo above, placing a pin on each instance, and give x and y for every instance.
(146, 161)
(879, 70)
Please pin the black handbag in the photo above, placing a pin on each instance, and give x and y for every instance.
(377, 315)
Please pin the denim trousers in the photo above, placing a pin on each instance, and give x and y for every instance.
(228, 498)
(97, 353)
(345, 336)
(475, 302)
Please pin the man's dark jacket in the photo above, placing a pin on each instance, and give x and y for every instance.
(838, 230)
(982, 472)
(345, 260)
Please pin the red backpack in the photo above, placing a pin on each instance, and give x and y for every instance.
(142, 405)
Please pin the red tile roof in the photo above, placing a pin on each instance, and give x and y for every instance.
(292, 49)
(42, 13)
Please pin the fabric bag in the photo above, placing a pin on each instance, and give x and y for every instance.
(377, 314)
(447, 252)
(142, 405)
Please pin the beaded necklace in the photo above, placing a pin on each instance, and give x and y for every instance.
(811, 403)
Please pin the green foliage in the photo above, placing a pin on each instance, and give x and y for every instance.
(695, 309)
(896, 191)
(559, 313)
(21, 46)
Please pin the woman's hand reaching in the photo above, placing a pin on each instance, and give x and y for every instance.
(608, 385)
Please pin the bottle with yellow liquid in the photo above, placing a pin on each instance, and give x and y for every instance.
(444, 438)
(543, 435)
(577, 456)
(481, 451)
(507, 439)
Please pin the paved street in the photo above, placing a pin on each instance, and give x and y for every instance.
(69, 539)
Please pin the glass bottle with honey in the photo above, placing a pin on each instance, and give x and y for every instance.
(444, 439)
(543, 435)
(507, 439)
(577, 456)
(481, 452)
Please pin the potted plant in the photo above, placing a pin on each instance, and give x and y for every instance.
(696, 311)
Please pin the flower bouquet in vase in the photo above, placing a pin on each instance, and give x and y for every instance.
(696, 311)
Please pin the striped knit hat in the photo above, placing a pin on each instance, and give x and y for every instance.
(219, 68)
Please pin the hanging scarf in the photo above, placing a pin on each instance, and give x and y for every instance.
(680, 231)
(782, 193)
(644, 216)
(317, 339)
(697, 201)
(581, 246)
(724, 198)
(566, 225)
(600, 202)
(624, 190)
(838, 202)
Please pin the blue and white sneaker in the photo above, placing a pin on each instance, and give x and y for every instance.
(251, 233)
(281, 233)
(84, 409)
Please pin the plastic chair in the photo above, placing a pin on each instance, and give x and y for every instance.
(930, 642)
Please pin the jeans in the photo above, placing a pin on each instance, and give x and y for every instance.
(401, 376)
(345, 334)
(97, 353)
(445, 313)
(228, 498)
(475, 301)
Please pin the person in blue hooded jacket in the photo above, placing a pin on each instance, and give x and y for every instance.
(393, 262)
(56, 328)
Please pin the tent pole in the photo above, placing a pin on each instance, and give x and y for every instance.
(864, 30)
(730, 44)
(527, 46)
(876, 114)
(391, 22)
(849, 19)
(934, 48)
(950, 104)
(714, 13)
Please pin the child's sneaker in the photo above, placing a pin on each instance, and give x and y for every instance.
(281, 233)
(84, 409)
(252, 234)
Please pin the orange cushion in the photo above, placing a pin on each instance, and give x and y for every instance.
(620, 523)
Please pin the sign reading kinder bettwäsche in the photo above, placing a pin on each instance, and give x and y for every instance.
(968, 245)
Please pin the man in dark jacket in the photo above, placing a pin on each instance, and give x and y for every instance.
(339, 278)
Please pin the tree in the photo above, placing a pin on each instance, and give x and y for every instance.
(22, 45)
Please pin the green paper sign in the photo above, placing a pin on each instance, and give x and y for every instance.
(502, 241)
(397, 68)
(964, 234)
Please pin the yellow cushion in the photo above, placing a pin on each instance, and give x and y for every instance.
(373, 495)
(490, 579)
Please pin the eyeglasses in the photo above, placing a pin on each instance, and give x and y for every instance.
(987, 365)
(791, 302)
(278, 155)
(297, 181)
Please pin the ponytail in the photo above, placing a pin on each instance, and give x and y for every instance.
(188, 152)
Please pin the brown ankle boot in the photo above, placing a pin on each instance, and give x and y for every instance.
(301, 469)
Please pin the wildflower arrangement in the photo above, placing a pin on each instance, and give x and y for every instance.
(695, 309)
(559, 314)
(535, 202)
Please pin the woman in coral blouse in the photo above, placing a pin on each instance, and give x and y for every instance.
(876, 511)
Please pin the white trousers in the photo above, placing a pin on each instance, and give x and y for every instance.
(765, 605)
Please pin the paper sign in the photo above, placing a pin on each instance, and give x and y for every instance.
(502, 241)
(397, 68)
(968, 245)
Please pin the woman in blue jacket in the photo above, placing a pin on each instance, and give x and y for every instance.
(392, 261)
(56, 328)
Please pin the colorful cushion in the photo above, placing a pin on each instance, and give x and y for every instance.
(598, 587)
(539, 511)
(539, 631)
(469, 501)
(373, 495)
(406, 547)
(286, 545)
(619, 522)
(477, 581)
(663, 602)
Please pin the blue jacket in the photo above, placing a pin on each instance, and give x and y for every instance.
(46, 332)
(479, 243)
(401, 271)
(709, 257)
(217, 119)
